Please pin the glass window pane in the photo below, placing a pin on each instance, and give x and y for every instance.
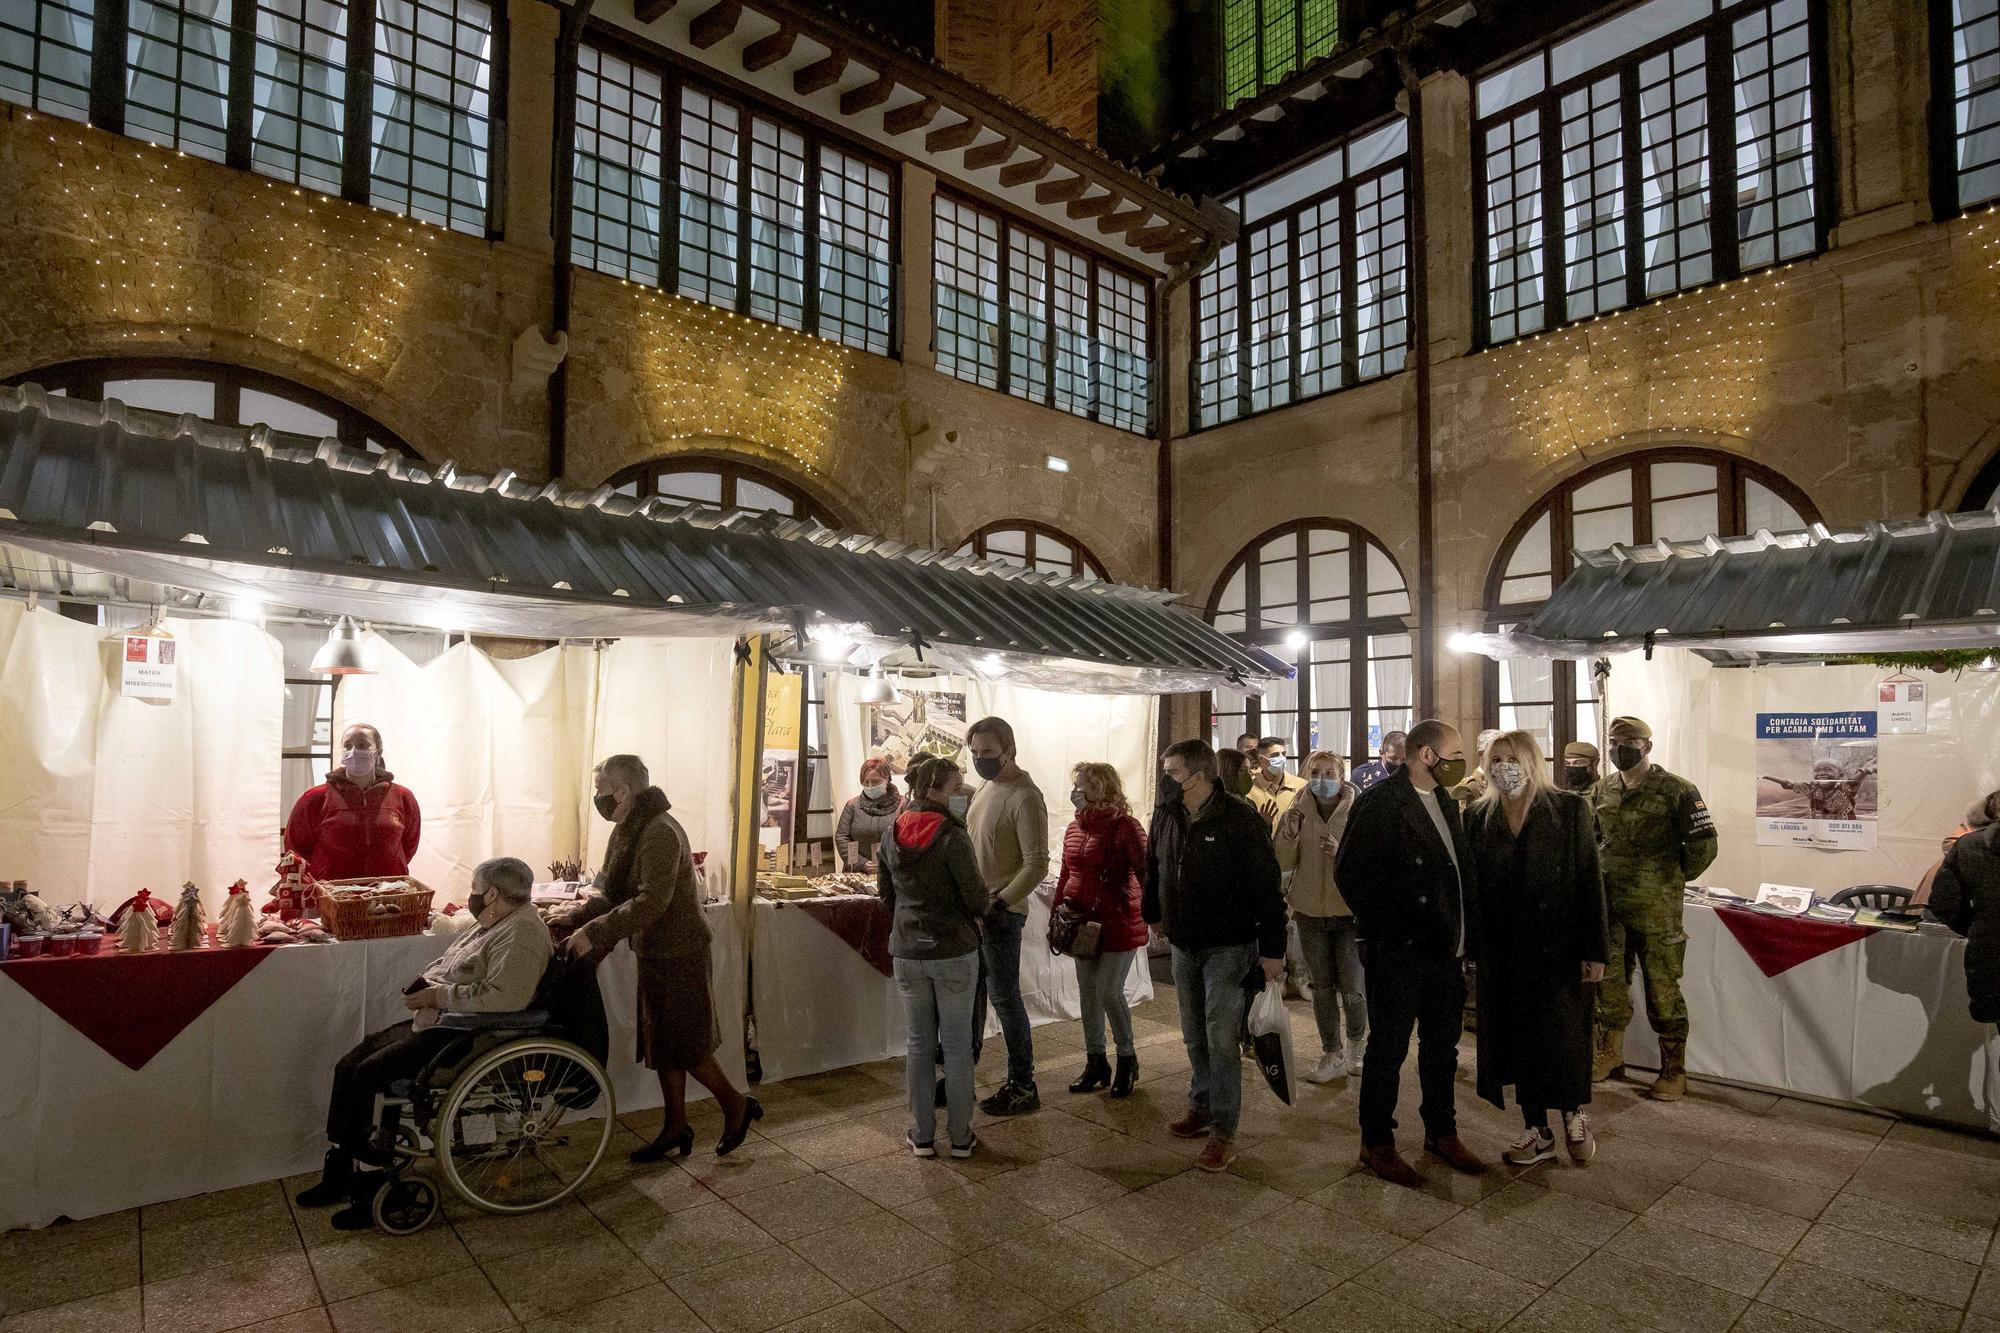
(762, 499)
(1673, 168)
(1301, 182)
(1511, 152)
(1975, 77)
(165, 395)
(699, 487)
(1614, 488)
(1389, 682)
(45, 50)
(1674, 479)
(1596, 531)
(1764, 510)
(1517, 82)
(298, 97)
(777, 223)
(1278, 589)
(1270, 329)
(965, 292)
(1122, 368)
(1381, 276)
(432, 131)
(1387, 595)
(1218, 382)
(1626, 33)
(177, 74)
(1232, 592)
(710, 198)
(620, 132)
(855, 263)
(1531, 554)
(1775, 200)
(1687, 519)
(267, 409)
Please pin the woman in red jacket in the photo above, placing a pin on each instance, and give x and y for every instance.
(358, 823)
(1104, 850)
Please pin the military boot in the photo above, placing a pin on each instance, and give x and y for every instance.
(1609, 1061)
(1672, 1084)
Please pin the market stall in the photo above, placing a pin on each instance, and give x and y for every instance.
(1834, 698)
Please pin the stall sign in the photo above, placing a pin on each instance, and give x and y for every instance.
(147, 667)
(778, 783)
(1901, 710)
(1816, 780)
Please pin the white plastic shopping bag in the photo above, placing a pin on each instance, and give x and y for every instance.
(1271, 1034)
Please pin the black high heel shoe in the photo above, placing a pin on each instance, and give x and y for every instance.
(733, 1135)
(680, 1145)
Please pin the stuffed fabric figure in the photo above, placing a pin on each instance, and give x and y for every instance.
(238, 926)
(189, 920)
(140, 929)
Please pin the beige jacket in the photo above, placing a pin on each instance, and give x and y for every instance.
(1272, 802)
(1009, 824)
(490, 969)
(1312, 891)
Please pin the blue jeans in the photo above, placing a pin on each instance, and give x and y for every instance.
(1333, 961)
(1000, 942)
(1100, 988)
(937, 1000)
(1209, 984)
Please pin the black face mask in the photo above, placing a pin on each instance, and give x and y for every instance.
(1627, 757)
(607, 805)
(988, 768)
(475, 903)
(1575, 778)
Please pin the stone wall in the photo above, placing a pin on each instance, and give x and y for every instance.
(1042, 55)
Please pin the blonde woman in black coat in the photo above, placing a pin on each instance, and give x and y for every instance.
(1541, 905)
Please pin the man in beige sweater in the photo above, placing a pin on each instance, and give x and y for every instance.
(1009, 823)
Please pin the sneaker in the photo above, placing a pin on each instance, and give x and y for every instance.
(1216, 1154)
(1332, 1065)
(1357, 1049)
(1190, 1126)
(1582, 1139)
(919, 1149)
(964, 1151)
(1534, 1145)
(1012, 1099)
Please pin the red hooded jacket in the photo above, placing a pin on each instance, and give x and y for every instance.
(1104, 854)
(349, 832)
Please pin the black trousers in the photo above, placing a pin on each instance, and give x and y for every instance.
(1410, 990)
(382, 1057)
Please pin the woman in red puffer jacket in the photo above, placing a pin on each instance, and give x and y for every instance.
(1104, 850)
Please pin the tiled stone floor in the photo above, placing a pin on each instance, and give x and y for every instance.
(1730, 1210)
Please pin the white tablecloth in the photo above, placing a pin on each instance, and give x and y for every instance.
(1879, 1022)
(819, 1006)
(240, 1095)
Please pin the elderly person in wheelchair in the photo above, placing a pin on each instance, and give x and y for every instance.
(496, 968)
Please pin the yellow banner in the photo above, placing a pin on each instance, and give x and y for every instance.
(781, 712)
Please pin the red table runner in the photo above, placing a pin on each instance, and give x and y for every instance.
(862, 922)
(133, 1005)
(1778, 943)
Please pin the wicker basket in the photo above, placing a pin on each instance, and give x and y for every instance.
(347, 915)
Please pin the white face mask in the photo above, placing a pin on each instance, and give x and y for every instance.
(358, 763)
(873, 790)
(1508, 777)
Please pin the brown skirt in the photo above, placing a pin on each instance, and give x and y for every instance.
(677, 1027)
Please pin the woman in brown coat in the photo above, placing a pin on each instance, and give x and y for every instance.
(648, 894)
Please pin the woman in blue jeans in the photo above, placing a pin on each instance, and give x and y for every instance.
(929, 881)
(1308, 837)
(1104, 853)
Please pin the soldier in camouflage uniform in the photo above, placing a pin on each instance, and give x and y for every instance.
(1833, 793)
(1655, 835)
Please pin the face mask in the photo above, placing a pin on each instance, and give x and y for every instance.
(873, 791)
(607, 805)
(1627, 757)
(1448, 772)
(1326, 788)
(1240, 784)
(476, 904)
(1508, 777)
(958, 804)
(1576, 778)
(1078, 799)
(1276, 763)
(358, 764)
(988, 769)
(1171, 786)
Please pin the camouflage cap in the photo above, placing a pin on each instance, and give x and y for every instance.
(1581, 750)
(1631, 728)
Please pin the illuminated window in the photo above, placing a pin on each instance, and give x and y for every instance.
(1265, 40)
(1327, 598)
(177, 74)
(299, 96)
(1035, 546)
(1015, 310)
(1601, 154)
(1315, 294)
(45, 50)
(619, 173)
(1969, 95)
(432, 144)
(1679, 495)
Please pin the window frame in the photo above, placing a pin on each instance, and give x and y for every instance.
(1049, 355)
(732, 470)
(1085, 560)
(1946, 197)
(1355, 630)
(1716, 32)
(816, 139)
(1264, 74)
(1733, 473)
(1347, 371)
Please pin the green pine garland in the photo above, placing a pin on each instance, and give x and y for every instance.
(1940, 660)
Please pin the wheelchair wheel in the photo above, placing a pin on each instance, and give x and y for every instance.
(405, 1206)
(515, 1133)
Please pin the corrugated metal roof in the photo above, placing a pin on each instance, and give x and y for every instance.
(185, 501)
(1931, 583)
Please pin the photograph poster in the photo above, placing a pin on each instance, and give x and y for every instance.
(1816, 780)
(778, 784)
(920, 722)
(1901, 709)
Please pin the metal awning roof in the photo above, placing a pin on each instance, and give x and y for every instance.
(1887, 587)
(284, 518)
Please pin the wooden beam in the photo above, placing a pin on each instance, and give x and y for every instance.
(820, 75)
(910, 116)
(1022, 173)
(1117, 224)
(1093, 207)
(1185, 253)
(769, 50)
(716, 23)
(864, 96)
(1151, 239)
(952, 136)
(651, 11)
(988, 154)
(1056, 192)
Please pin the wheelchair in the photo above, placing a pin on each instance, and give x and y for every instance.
(507, 1114)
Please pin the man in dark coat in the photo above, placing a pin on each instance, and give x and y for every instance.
(1406, 870)
(1965, 895)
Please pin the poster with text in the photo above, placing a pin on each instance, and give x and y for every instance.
(1816, 780)
(778, 783)
(1901, 710)
(920, 722)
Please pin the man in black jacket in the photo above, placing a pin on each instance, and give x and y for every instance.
(1965, 895)
(1212, 886)
(1407, 872)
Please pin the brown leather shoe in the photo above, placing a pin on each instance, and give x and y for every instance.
(1459, 1157)
(1190, 1126)
(1216, 1154)
(1386, 1162)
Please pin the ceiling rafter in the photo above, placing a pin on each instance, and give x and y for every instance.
(1056, 192)
(768, 50)
(714, 24)
(821, 74)
(910, 116)
(866, 96)
(982, 156)
(1026, 172)
(952, 136)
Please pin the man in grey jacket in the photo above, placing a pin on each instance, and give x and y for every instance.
(1009, 823)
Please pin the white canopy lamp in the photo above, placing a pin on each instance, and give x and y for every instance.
(342, 654)
(874, 689)
(1990, 662)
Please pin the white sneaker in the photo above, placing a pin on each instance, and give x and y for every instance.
(1581, 1140)
(1357, 1048)
(1331, 1066)
(1534, 1145)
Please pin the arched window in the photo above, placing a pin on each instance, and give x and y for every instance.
(721, 484)
(1985, 488)
(215, 391)
(1663, 494)
(1327, 597)
(1035, 546)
